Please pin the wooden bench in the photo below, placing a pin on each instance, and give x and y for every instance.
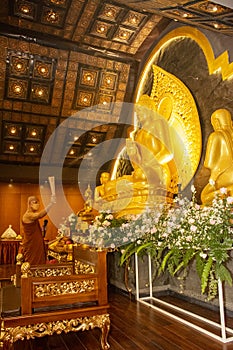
(57, 298)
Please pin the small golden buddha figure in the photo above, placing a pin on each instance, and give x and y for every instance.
(219, 156)
(100, 191)
(87, 214)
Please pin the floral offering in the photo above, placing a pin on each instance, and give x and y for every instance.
(174, 235)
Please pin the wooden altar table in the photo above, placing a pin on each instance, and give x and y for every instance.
(8, 251)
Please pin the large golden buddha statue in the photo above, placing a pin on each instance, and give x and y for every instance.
(219, 156)
(154, 175)
(163, 149)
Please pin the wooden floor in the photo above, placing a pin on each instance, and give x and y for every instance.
(137, 327)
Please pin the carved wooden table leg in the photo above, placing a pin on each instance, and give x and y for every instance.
(105, 332)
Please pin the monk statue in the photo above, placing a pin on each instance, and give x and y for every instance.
(219, 156)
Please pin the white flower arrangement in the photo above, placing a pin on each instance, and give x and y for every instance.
(188, 231)
(174, 235)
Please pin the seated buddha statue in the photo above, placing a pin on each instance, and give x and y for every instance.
(87, 213)
(150, 147)
(100, 190)
(219, 156)
(154, 169)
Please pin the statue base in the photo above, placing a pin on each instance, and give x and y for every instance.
(128, 203)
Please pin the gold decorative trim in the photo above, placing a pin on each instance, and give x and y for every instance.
(82, 268)
(12, 334)
(214, 64)
(56, 271)
(173, 100)
(52, 289)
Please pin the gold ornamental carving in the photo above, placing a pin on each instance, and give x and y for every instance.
(83, 268)
(55, 271)
(171, 92)
(53, 289)
(25, 270)
(12, 334)
(173, 100)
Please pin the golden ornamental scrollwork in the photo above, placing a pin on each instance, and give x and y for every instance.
(61, 257)
(53, 271)
(25, 270)
(173, 100)
(82, 267)
(52, 289)
(12, 334)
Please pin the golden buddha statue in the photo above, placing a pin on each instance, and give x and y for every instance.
(163, 149)
(100, 190)
(219, 156)
(154, 172)
(87, 214)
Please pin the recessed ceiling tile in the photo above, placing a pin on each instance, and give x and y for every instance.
(84, 99)
(19, 66)
(104, 101)
(17, 88)
(209, 8)
(108, 80)
(133, 19)
(32, 148)
(88, 77)
(94, 138)
(73, 152)
(40, 92)
(110, 12)
(12, 130)
(11, 147)
(123, 35)
(101, 29)
(42, 70)
(25, 9)
(52, 16)
(34, 132)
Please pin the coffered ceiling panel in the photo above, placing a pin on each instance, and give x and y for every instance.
(60, 57)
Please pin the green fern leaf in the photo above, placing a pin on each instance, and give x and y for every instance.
(223, 274)
(199, 265)
(205, 274)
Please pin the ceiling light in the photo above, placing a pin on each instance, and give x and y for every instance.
(34, 132)
(13, 130)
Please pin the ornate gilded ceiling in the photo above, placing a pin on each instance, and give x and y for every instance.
(59, 57)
